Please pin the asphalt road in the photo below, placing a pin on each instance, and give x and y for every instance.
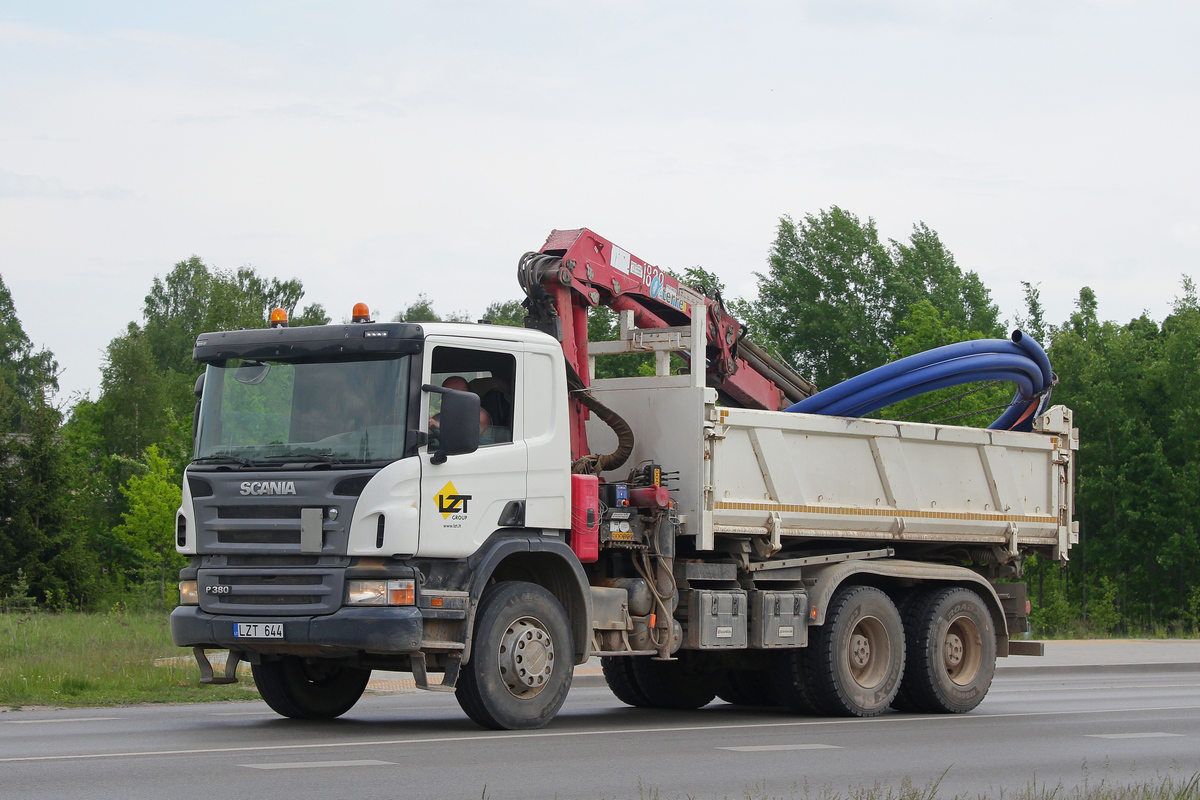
(1135, 723)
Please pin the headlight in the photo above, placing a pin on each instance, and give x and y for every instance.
(189, 593)
(381, 593)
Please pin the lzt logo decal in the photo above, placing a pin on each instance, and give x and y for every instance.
(450, 502)
(453, 503)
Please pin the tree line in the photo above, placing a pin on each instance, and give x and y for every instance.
(88, 488)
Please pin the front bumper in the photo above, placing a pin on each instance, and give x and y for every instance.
(395, 629)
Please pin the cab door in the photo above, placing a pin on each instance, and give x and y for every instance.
(462, 499)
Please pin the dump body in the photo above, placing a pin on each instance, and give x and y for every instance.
(844, 482)
(817, 477)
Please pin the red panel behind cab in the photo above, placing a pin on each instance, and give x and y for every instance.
(585, 517)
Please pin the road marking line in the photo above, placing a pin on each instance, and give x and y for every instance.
(312, 764)
(1130, 735)
(1105, 686)
(239, 713)
(67, 719)
(502, 737)
(767, 747)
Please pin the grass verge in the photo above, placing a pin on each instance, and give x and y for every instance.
(1162, 787)
(82, 659)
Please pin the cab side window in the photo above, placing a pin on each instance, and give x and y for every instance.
(490, 375)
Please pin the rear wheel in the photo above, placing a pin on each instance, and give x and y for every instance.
(790, 682)
(682, 683)
(952, 653)
(909, 603)
(521, 660)
(854, 662)
(618, 674)
(748, 687)
(300, 689)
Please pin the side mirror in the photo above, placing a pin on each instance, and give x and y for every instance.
(458, 423)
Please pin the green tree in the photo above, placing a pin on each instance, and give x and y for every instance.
(25, 374)
(148, 529)
(1133, 390)
(34, 534)
(826, 302)
(35, 542)
(700, 279)
(193, 298)
(1034, 321)
(137, 397)
(1103, 614)
(604, 325)
(92, 488)
(421, 310)
(930, 275)
(836, 300)
(506, 312)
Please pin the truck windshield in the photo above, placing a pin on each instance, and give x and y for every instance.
(332, 411)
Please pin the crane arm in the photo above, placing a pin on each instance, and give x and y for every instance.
(578, 269)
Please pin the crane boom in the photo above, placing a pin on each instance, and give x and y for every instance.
(577, 269)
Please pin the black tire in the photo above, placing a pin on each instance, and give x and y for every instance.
(521, 658)
(951, 653)
(682, 683)
(854, 662)
(747, 687)
(790, 683)
(618, 674)
(299, 689)
(909, 603)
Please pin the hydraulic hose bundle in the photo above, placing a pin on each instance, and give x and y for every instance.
(1022, 361)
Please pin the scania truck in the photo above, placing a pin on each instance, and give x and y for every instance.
(468, 502)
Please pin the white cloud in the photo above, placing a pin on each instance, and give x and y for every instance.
(32, 34)
(13, 185)
(1187, 232)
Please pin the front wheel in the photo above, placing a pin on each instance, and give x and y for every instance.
(521, 658)
(303, 689)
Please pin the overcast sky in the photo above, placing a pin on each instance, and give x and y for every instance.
(381, 150)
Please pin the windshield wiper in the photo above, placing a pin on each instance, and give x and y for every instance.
(325, 457)
(228, 459)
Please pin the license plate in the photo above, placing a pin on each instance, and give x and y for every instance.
(258, 630)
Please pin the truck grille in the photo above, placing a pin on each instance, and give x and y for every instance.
(230, 523)
(259, 537)
(270, 591)
(258, 512)
(271, 561)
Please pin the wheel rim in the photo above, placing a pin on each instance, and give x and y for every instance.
(526, 657)
(869, 652)
(962, 650)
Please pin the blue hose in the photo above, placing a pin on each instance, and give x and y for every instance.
(1022, 361)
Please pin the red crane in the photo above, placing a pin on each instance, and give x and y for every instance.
(578, 269)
